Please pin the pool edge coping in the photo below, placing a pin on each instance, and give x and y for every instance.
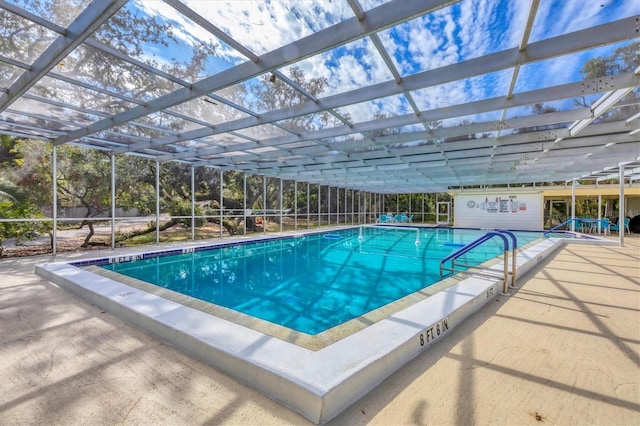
(319, 384)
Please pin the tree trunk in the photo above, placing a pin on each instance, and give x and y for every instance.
(91, 232)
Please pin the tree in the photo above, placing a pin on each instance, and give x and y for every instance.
(14, 205)
(622, 59)
(270, 95)
(9, 156)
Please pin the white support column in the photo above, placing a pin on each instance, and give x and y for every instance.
(157, 202)
(308, 205)
(337, 206)
(600, 214)
(54, 211)
(221, 200)
(573, 205)
(319, 204)
(329, 205)
(295, 203)
(280, 203)
(364, 208)
(264, 202)
(353, 206)
(621, 206)
(113, 201)
(193, 203)
(244, 203)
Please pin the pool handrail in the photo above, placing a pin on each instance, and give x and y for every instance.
(514, 252)
(473, 244)
(565, 223)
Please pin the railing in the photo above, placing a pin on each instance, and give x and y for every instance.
(514, 252)
(565, 223)
(475, 243)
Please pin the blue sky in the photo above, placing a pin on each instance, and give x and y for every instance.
(463, 31)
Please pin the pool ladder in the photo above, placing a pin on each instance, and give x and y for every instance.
(475, 243)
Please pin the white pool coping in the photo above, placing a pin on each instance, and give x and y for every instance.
(317, 384)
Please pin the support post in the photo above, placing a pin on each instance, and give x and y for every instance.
(264, 202)
(157, 202)
(113, 201)
(308, 205)
(221, 201)
(621, 206)
(573, 205)
(193, 203)
(280, 202)
(54, 158)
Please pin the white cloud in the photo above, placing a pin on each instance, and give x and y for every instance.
(564, 16)
(467, 29)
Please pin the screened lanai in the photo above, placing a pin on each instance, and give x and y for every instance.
(339, 109)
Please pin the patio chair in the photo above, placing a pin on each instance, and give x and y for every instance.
(582, 225)
(384, 219)
(625, 226)
(400, 218)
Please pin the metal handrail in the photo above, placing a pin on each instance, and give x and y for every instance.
(475, 243)
(514, 248)
(565, 223)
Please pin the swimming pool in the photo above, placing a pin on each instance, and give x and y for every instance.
(317, 281)
(319, 378)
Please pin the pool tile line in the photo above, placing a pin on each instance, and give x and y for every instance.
(190, 249)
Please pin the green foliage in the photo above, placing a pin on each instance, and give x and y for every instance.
(178, 206)
(19, 208)
(9, 155)
(9, 192)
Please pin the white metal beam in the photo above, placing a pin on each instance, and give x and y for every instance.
(92, 17)
(377, 19)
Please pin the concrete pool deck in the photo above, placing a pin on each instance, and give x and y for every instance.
(565, 348)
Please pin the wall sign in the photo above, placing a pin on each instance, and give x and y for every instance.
(499, 210)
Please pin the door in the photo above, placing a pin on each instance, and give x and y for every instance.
(443, 209)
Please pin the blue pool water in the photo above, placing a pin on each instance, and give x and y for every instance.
(314, 282)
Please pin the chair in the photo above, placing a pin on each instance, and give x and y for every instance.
(400, 218)
(582, 225)
(384, 219)
(410, 219)
(625, 226)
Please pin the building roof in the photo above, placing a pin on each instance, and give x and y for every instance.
(384, 96)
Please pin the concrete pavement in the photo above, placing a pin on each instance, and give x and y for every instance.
(563, 349)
